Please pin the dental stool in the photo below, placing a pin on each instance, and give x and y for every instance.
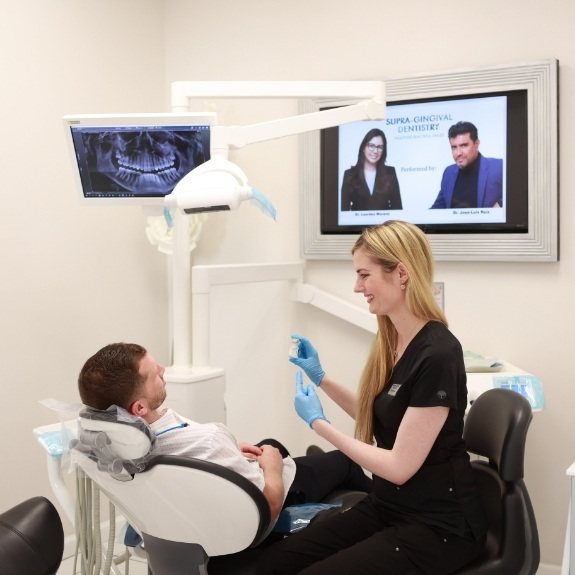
(31, 538)
(496, 429)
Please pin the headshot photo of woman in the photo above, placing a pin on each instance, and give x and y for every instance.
(370, 184)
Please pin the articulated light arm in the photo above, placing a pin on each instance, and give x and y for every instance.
(370, 98)
(225, 137)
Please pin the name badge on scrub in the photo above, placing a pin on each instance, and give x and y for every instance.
(394, 389)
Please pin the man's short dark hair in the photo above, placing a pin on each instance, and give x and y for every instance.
(111, 376)
(463, 128)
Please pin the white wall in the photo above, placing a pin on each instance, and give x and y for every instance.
(75, 279)
(519, 312)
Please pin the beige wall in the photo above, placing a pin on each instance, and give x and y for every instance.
(75, 278)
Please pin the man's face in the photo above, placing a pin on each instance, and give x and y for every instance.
(154, 388)
(464, 150)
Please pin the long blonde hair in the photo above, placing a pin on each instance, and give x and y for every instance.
(389, 244)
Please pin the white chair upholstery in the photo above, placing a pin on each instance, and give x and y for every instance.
(186, 510)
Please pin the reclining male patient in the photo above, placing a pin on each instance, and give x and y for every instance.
(126, 375)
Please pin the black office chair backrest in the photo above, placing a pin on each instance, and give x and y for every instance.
(31, 538)
(496, 430)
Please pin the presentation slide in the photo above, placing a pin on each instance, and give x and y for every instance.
(419, 149)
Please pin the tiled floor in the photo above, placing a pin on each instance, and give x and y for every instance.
(137, 567)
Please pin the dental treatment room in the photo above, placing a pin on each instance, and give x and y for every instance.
(193, 177)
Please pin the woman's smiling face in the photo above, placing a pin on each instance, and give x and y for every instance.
(373, 150)
(381, 288)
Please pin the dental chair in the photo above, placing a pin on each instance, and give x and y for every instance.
(496, 430)
(185, 510)
(194, 517)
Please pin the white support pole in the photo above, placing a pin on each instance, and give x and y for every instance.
(181, 286)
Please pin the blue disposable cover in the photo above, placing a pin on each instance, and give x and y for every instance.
(296, 517)
(527, 385)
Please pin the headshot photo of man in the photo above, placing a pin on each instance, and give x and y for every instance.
(474, 181)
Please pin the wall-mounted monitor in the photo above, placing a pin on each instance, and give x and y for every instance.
(492, 196)
(135, 159)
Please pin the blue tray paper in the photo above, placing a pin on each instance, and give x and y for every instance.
(296, 517)
(56, 442)
(527, 385)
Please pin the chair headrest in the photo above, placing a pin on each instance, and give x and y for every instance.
(496, 428)
(118, 441)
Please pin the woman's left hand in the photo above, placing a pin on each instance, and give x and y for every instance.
(307, 403)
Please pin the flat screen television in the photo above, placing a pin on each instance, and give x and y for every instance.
(514, 218)
(135, 159)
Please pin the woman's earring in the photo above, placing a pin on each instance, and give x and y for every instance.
(402, 286)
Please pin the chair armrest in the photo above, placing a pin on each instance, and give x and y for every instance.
(227, 474)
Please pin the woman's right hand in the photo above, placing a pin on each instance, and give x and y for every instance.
(308, 359)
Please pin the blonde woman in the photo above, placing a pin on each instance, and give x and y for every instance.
(423, 515)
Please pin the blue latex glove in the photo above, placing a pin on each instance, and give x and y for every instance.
(306, 402)
(308, 359)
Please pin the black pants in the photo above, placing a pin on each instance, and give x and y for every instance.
(367, 540)
(320, 474)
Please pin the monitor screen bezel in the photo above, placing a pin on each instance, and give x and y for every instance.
(147, 120)
(539, 243)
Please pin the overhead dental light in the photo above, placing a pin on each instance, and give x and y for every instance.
(214, 186)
